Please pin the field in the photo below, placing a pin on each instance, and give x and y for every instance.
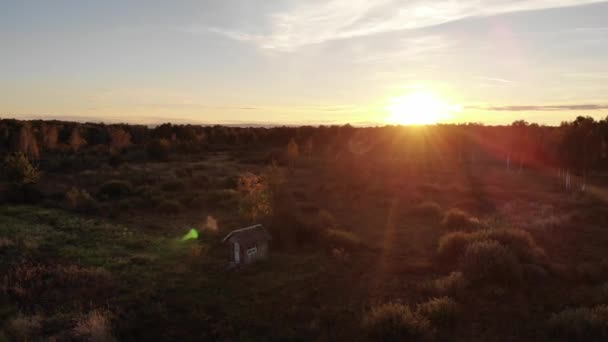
(379, 249)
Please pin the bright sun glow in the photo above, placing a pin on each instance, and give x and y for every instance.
(420, 108)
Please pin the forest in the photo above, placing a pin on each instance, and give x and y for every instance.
(447, 232)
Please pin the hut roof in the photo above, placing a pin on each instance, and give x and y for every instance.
(248, 235)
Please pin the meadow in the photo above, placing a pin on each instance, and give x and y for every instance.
(443, 242)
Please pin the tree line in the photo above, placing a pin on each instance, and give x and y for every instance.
(574, 147)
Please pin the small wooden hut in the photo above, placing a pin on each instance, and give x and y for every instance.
(246, 245)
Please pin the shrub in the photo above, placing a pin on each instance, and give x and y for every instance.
(488, 261)
(342, 239)
(395, 322)
(452, 245)
(427, 209)
(169, 207)
(442, 311)
(459, 219)
(94, 326)
(80, 200)
(517, 240)
(115, 189)
(19, 171)
(453, 284)
(579, 324)
(158, 149)
(29, 284)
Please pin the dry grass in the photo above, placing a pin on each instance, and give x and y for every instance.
(94, 326)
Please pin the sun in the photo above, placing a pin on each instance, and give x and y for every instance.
(419, 108)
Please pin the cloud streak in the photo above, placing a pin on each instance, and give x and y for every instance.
(315, 21)
(543, 108)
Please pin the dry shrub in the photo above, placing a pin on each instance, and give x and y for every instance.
(453, 284)
(325, 219)
(519, 241)
(427, 209)
(459, 219)
(30, 284)
(396, 322)
(341, 239)
(94, 326)
(441, 311)
(489, 262)
(452, 245)
(579, 324)
(80, 200)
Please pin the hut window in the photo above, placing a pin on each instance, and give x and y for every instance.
(252, 250)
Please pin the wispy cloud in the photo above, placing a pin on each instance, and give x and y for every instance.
(495, 79)
(314, 22)
(543, 108)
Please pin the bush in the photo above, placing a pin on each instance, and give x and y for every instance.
(158, 149)
(459, 219)
(94, 326)
(580, 324)
(169, 207)
(488, 261)
(517, 240)
(453, 284)
(452, 245)
(29, 284)
(115, 189)
(19, 171)
(342, 239)
(395, 322)
(80, 200)
(442, 311)
(427, 209)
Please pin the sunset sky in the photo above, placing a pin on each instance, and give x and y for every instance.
(304, 62)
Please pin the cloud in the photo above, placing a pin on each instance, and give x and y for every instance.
(495, 79)
(315, 21)
(543, 108)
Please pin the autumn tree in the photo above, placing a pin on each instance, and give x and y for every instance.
(119, 138)
(50, 136)
(27, 142)
(76, 141)
(308, 145)
(255, 201)
(260, 193)
(19, 171)
(293, 152)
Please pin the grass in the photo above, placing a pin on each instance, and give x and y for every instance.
(136, 280)
(138, 268)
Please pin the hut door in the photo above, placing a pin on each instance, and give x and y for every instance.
(237, 253)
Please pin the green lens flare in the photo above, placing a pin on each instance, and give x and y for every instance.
(192, 235)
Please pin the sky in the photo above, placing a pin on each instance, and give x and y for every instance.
(304, 62)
